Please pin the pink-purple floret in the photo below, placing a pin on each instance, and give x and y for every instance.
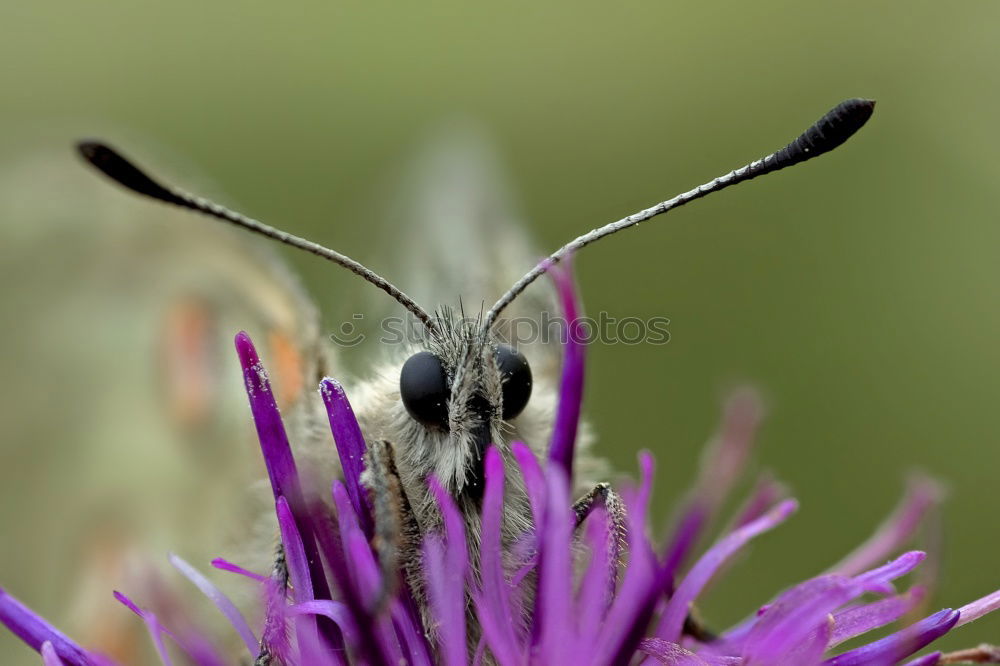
(584, 611)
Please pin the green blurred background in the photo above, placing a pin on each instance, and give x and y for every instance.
(859, 292)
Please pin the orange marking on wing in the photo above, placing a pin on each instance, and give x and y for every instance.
(287, 373)
(189, 362)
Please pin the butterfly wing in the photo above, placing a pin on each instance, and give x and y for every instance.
(122, 389)
(463, 241)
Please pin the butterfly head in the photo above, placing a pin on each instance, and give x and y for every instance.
(459, 393)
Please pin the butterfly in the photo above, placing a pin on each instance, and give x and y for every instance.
(437, 403)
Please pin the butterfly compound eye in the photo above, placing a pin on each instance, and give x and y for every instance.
(516, 380)
(423, 387)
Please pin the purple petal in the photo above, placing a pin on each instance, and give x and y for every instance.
(346, 516)
(932, 541)
(597, 589)
(274, 635)
(878, 579)
(526, 550)
(797, 614)
(671, 654)
(811, 649)
(409, 627)
(534, 480)
(201, 650)
(350, 447)
(328, 543)
(724, 459)
(332, 539)
(298, 573)
(295, 557)
(721, 465)
(978, 608)
(677, 608)
(765, 494)
(921, 495)
(371, 645)
(370, 583)
(901, 644)
(195, 645)
(33, 630)
(493, 603)
(457, 554)
(366, 583)
(324, 524)
(335, 610)
(446, 568)
(563, 445)
(861, 619)
(370, 587)
(496, 631)
(692, 521)
(363, 568)
(530, 563)
(156, 630)
(553, 603)
(477, 658)
(633, 606)
(411, 634)
(270, 430)
(927, 660)
(49, 655)
(221, 601)
(280, 465)
(225, 565)
(446, 593)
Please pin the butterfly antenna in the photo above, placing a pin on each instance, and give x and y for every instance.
(827, 133)
(119, 169)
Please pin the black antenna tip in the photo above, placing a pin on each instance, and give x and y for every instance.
(88, 148)
(839, 124)
(116, 167)
(835, 127)
(845, 119)
(860, 103)
(101, 155)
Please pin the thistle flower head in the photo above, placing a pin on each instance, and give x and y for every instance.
(576, 595)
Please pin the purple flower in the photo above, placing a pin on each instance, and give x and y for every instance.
(574, 599)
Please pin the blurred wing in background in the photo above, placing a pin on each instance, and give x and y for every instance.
(129, 400)
(462, 241)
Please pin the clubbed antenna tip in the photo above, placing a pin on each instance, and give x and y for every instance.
(835, 127)
(119, 169)
(111, 163)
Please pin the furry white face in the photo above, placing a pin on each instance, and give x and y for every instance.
(451, 398)
(434, 412)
